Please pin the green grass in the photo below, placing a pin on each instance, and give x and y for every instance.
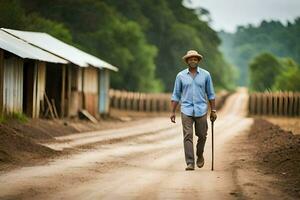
(14, 116)
(2, 119)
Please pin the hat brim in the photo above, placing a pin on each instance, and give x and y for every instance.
(193, 55)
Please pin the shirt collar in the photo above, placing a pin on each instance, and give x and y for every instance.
(198, 70)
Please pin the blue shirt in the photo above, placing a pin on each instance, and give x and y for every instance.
(192, 91)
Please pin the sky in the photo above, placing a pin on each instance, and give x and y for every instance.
(228, 14)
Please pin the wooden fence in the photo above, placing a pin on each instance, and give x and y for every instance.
(136, 101)
(274, 103)
(148, 102)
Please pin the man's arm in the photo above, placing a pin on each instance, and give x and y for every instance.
(211, 97)
(176, 96)
(173, 114)
(212, 104)
(213, 112)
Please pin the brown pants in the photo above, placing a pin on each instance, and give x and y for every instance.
(201, 127)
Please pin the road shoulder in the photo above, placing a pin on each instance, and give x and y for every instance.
(265, 162)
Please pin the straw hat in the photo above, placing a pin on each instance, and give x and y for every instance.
(192, 53)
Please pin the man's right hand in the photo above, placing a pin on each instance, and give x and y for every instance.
(172, 117)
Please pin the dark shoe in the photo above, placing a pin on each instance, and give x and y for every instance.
(200, 162)
(190, 167)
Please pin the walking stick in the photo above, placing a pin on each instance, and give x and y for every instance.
(212, 146)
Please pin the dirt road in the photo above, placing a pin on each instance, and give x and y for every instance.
(145, 161)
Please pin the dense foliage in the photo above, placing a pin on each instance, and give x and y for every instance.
(270, 73)
(145, 39)
(249, 41)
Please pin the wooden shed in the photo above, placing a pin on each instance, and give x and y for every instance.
(85, 80)
(22, 75)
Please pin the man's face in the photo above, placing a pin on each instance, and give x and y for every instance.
(193, 61)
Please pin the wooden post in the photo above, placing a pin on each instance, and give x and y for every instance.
(258, 103)
(141, 103)
(35, 89)
(290, 105)
(134, 103)
(294, 104)
(82, 88)
(54, 108)
(1, 80)
(285, 103)
(161, 103)
(253, 103)
(69, 89)
(148, 103)
(269, 97)
(271, 106)
(276, 104)
(49, 106)
(298, 103)
(279, 101)
(249, 104)
(264, 103)
(63, 81)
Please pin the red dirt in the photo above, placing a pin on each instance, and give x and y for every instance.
(19, 141)
(278, 152)
(15, 148)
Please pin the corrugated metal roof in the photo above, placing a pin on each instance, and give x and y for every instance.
(61, 49)
(25, 50)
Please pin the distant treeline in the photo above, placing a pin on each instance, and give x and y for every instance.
(248, 42)
(268, 73)
(145, 39)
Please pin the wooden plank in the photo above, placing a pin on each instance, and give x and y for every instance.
(264, 103)
(34, 94)
(153, 103)
(117, 99)
(88, 116)
(128, 100)
(142, 102)
(294, 104)
(135, 101)
(276, 104)
(41, 87)
(148, 103)
(280, 104)
(1, 81)
(285, 104)
(12, 85)
(258, 107)
(21, 76)
(63, 87)
(49, 107)
(251, 102)
(122, 100)
(161, 103)
(291, 103)
(298, 103)
(270, 103)
(82, 88)
(69, 86)
(54, 108)
(297, 106)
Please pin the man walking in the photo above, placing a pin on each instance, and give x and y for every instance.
(192, 86)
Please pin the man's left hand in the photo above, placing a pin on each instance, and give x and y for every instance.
(213, 116)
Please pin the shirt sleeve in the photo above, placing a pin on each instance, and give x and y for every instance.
(176, 96)
(209, 88)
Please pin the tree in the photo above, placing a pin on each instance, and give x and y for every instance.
(145, 39)
(289, 78)
(263, 70)
(249, 41)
